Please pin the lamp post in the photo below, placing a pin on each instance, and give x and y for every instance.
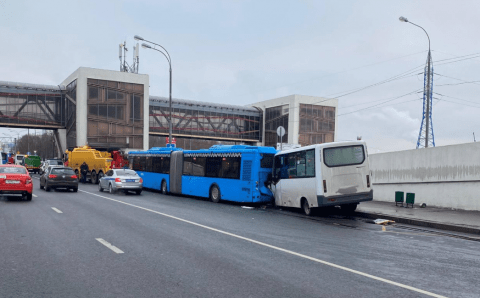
(427, 94)
(167, 55)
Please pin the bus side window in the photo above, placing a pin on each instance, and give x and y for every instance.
(292, 165)
(310, 155)
(156, 164)
(142, 163)
(198, 166)
(148, 164)
(165, 165)
(231, 167)
(301, 165)
(187, 166)
(214, 167)
(136, 163)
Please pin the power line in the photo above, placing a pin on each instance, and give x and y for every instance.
(458, 103)
(464, 81)
(331, 74)
(455, 57)
(389, 100)
(456, 98)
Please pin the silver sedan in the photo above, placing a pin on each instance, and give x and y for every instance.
(121, 179)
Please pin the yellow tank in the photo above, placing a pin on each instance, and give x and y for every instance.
(98, 162)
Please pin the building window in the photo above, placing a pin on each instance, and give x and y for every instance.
(115, 112)
(275, 117)
(317, 124)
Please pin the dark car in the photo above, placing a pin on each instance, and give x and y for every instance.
(59, 177)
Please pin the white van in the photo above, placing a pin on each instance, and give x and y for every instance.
(20, 159)
(329, 174)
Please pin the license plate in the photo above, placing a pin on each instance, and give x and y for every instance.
(12, 182)
(130, 180)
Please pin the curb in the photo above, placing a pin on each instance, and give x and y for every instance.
(422, 223)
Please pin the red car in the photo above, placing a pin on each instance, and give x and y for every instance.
(15, 181)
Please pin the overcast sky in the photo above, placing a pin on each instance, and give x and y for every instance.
(240, 52)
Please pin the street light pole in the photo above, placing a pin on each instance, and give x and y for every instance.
(167, 55)
(428, 88)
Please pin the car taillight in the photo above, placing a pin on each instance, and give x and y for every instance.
(368, 180)
(141, 180)
(74, 176)
(324, 185)
(52, 176)
(28, 181)
(118, 180)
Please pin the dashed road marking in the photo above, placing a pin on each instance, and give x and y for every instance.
(56, 210)
(115, 249)
(394, 283)
(34, 195)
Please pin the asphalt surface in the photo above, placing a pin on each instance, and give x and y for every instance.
(170, 246)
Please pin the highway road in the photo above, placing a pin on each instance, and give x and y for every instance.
(93, 244)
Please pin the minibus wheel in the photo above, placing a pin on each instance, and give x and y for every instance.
(215, 194)
(306, 208)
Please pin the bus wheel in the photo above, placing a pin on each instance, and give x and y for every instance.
(164, 187)
(306, 208)
(215, 194)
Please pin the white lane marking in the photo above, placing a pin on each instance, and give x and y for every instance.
(56, 210)
(34, 195)
(115, 249)
(278, 248)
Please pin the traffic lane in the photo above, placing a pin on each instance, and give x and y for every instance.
(357, 252)
(33, 245)
(177, 208)
(199, 262)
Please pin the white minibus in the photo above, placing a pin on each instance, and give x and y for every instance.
(329, 174)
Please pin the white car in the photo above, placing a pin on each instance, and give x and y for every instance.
(50, 162)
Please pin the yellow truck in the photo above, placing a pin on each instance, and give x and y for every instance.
(98, 162)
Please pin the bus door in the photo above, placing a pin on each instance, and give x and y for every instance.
(176, 171)
(345, 170)
(279, 171)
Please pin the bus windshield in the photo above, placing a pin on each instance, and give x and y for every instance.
(344, 156)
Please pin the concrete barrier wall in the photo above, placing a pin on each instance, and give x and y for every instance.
(447, 176)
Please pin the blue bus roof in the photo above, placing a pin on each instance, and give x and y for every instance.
(216, 148)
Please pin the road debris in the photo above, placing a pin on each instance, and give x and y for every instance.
(248, 207)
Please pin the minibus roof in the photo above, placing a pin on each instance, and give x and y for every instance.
(323, 145)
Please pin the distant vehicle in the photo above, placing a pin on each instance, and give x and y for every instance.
(121, 179)
(20, 159)
(118, 160)
(49, 162)
(235, 173)
(98, 162)
(32, 163)
(329, 174)
(59, 177)
(15, 181)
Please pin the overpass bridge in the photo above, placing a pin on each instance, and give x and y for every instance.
(51, 107)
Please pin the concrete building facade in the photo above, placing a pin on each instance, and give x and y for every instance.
(307, 119)
(110, 109)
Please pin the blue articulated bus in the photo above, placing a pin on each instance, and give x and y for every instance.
(236, 173)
